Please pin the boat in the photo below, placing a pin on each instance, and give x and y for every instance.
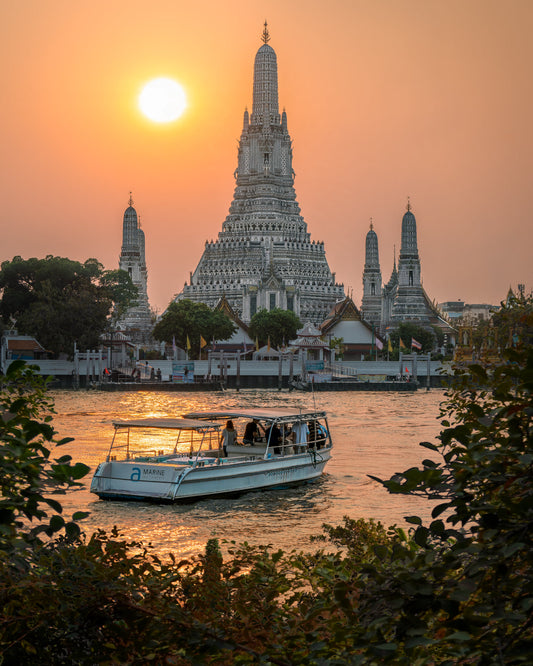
(182, 459)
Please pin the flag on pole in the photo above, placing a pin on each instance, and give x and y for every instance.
(379, 344)
(203, 343)
(389, 347)
(402, 346)
(415, 344)
(188, 344)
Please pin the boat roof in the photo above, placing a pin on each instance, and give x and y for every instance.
(169, 424)
(259, 413)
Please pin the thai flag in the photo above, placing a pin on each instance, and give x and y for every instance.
(415, 344)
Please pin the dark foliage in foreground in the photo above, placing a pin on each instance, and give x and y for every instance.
(458, 590)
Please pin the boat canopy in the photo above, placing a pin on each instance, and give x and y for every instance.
(261, 414)
(169, 424)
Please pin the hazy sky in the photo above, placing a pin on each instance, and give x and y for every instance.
(385, 99)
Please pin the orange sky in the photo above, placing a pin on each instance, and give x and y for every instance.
(385, 99)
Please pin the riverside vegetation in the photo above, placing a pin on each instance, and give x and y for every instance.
(458, 590)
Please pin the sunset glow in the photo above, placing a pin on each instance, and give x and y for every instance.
(162, 100)
(384, 101)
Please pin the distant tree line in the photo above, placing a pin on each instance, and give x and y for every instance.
(187, 323)
(61, 302)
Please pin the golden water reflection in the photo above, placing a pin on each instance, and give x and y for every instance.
(373, 434)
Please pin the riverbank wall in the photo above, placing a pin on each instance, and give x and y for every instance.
(347, 376)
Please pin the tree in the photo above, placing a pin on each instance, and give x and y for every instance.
(408, 330)
(60, 301)
(30, 480)
(509, 324)
(476, 556)
(338, 345)
(186, 319)
(278, 326)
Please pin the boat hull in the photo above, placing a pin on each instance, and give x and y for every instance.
(168, 482)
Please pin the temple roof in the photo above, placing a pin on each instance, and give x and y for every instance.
(224, 306)
(343, 310)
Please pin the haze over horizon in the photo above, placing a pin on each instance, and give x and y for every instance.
(385, 101)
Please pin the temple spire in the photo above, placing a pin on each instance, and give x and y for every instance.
(265, 109)
(131, 200)
(266, 35)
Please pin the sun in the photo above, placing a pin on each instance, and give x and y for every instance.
(162, 100)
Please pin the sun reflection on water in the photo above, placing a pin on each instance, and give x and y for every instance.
(373, 433)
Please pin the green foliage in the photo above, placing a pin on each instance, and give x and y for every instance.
(280, 326)
(30, 478)
(60, 301)
(480, 539)
(338, 345)
(507, 325)
(118, 286)
(407, 330)
(187, 319)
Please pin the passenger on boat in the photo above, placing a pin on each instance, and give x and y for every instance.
(273, 435)
(317, 435)
(251, 433)
(229, 437)
(322, 435)
(300, 434)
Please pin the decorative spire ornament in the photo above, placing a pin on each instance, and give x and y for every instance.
(265, 36)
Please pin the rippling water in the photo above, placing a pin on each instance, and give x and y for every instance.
(373, 433)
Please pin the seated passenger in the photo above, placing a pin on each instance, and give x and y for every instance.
(251, 433)
(313, 434)
(321, 436)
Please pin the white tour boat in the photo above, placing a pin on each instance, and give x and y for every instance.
(171, 460)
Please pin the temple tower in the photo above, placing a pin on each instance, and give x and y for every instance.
(410, 302)
(371, 303)
(389, 293)
(136, 322)
(264, 257)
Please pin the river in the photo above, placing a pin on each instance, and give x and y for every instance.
(375, 433)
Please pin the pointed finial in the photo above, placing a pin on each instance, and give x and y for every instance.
(371, 225)
(265, 36)
(131, 200)
(408, 204)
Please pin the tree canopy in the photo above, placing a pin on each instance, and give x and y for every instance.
(278, 326)
(186, 320)
(428, 338)
(60, 301)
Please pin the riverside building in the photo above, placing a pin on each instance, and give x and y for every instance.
(264, 257)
